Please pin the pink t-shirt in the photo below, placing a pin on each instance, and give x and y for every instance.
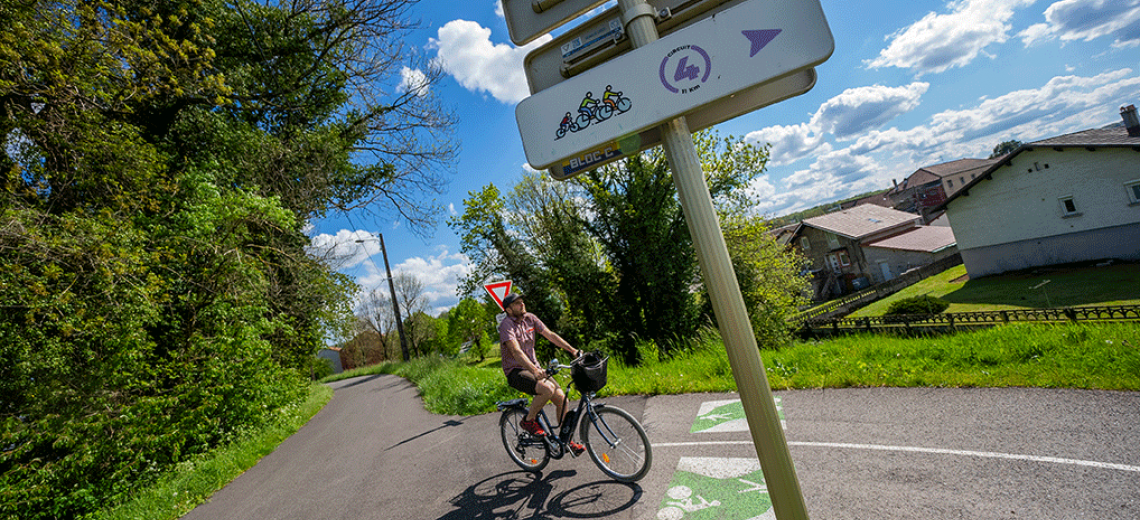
(523, 331)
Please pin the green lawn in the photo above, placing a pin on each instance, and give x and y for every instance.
(1043, 288)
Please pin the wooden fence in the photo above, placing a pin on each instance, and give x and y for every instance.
(967, 320)
(848, 303)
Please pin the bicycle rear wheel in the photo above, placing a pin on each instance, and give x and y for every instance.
(528, 451)
(617, 443)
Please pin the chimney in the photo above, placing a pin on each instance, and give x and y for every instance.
(1131, 122)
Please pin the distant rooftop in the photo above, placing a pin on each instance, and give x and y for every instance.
(928, 239)
(861, 221)
(1111, 136)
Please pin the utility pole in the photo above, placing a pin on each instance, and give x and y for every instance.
(395, 302)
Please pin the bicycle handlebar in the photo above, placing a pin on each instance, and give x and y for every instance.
(554, 366)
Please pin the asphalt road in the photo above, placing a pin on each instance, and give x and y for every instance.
(883, 453)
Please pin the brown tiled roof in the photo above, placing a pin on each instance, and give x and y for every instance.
(929, 239)
(861, 221)
(1111, 136)
(959, 166)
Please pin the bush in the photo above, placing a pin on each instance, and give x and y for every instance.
(918, 305)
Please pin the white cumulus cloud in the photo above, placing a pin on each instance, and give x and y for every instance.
(414, 81)
(440, 275)
(345, 249)
(1086, 20)
(939, 42)
(465, 51)
(857, 110)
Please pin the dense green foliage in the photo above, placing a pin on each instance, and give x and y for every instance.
(606, 259)
(193, 481)
(161, 161)
(917, 305)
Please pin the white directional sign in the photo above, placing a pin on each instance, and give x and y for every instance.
(529, 19)
(603, 38)
(703, 117)
(749, 44)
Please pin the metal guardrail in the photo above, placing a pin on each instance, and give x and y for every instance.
(1111, 313)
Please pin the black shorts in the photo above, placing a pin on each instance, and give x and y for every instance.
(522, 380)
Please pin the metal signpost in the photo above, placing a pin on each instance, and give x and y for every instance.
(529, 19)
(652, 88)
(709, 61)
(602, 38)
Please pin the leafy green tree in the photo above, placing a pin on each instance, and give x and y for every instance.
(491, 242)
(772, 278)
(642, 230)
(162, 160)
(1005, 147)
(467, 322)
(613, 246)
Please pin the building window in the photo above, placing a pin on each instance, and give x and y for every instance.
(949, 183)
(832, 241)
(1068, 207)
(843, 259)
(1133, 192)
(805, 244)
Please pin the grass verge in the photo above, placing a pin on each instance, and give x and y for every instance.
(1037, 289)
(1090, 356)
(193, 482)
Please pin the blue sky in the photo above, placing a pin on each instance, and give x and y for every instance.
(910, 84)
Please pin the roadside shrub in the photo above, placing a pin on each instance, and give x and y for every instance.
(918, 305)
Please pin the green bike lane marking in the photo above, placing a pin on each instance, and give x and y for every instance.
(727, 416)
(718, 488)
(715, 488)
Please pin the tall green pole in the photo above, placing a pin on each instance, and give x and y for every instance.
(728, 304)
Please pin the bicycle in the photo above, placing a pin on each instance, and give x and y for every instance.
(615, 440)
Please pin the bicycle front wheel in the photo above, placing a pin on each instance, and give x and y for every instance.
(617, 443)
(528, 451)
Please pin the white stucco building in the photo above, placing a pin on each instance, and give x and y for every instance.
(1065, 199)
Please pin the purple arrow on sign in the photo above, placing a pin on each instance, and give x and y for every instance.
(760, 38)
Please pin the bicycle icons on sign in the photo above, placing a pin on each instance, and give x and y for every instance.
(594, 110)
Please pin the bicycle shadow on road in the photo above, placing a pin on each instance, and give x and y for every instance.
(520, 495)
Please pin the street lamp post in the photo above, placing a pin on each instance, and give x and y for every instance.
(395, 303)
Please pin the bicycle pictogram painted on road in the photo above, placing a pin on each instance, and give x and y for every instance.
(727, 416)
(711, 488)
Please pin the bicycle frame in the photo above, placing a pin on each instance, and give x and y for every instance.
(620, 449)
(558, 438)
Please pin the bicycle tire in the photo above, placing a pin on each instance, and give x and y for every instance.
(526, 450)
(603, 113)
(629, 458)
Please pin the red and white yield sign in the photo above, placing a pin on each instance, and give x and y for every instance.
(752, 43)
(498, 291)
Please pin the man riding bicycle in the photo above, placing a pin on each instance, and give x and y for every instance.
(516, 346)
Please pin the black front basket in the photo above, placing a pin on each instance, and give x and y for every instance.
(589, 372)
